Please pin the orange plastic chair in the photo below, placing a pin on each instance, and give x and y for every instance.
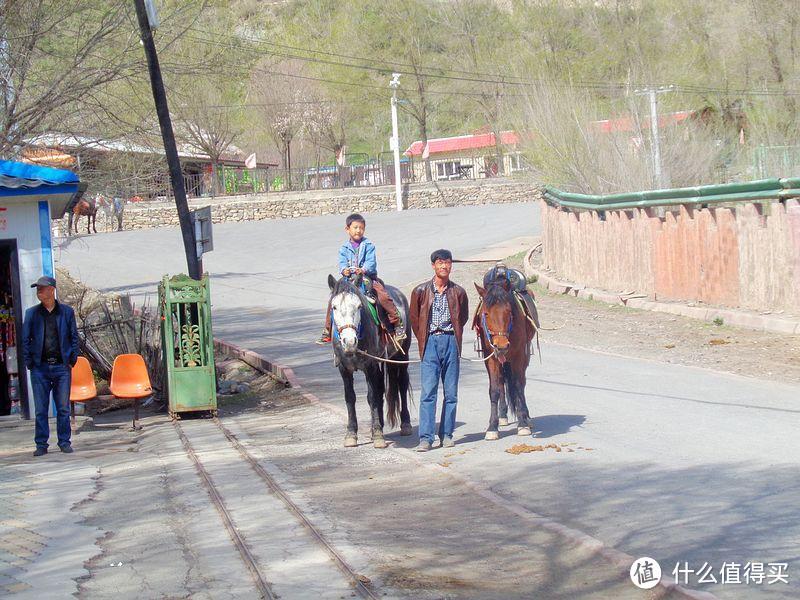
(129, 379)
(83, 387)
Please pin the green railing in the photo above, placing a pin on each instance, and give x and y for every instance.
(772, 161)
(763, 189)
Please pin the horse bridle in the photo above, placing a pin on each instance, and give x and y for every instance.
(492, 334)
(348, 326)
(352, 326)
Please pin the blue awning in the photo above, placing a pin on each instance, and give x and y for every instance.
(35, 175)
(24, 182)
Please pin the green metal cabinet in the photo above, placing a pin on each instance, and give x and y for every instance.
(188, 344)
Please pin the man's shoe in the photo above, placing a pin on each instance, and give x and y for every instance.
(448, 442)
(67, 449)
(424, 446)
(325, 338)
(40, 452)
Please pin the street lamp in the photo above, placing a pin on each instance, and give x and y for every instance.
(394, 141)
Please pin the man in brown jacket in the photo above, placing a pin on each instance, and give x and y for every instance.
(439, 309)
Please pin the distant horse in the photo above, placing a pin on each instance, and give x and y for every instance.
(505, 332)
(113, 209)
(85, 208)
(357, 339)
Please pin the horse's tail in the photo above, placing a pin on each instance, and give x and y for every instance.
(392, 394)
(511, 396)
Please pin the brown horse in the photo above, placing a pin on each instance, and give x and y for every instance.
(84, 208)
(505, 332)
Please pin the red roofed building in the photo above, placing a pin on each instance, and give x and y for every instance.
(471, 156)
(629, 124)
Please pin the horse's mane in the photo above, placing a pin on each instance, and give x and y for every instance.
(497, 294)
(346, 285)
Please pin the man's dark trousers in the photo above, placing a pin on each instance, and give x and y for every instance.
(58, 379)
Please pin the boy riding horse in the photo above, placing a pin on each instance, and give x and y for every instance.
(357, 257)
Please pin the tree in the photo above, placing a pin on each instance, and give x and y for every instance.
(279, 102)
(209, 119)
(479, 31)
(415, 42)
(78, 66)
(56, 56)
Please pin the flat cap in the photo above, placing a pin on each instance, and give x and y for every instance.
(44, 281)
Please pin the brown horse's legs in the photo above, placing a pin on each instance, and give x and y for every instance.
(523, 417)
(94, 222)
(502, 406)
(496, 385)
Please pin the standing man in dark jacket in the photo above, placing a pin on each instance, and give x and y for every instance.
(439, 309)
(50, 348)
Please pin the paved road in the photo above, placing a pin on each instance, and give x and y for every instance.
(677, 463)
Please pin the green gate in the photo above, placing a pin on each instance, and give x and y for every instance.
(188, 345)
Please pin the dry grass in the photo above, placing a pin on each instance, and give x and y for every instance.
(569, 149)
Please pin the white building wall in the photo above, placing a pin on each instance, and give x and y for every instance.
(21, 221)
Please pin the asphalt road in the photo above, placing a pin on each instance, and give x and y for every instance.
(677, 463)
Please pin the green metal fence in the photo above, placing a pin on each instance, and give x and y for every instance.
(774, 161)
(188, 344)
(760, 190)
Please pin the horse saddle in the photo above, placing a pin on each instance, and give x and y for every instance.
(514, 281)
(510, 279)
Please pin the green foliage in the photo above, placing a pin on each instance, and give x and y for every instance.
(310, 76)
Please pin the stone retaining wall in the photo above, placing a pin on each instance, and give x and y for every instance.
(742, 257)
(288, 205)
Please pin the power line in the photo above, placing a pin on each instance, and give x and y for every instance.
(472, 76)
(390, 66)
(506, 80)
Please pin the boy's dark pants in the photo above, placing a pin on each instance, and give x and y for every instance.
(386, 302)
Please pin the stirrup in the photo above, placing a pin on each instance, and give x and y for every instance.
(325, 338)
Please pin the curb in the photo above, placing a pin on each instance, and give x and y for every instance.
(620, 561)
(736, 318)
(253, 359)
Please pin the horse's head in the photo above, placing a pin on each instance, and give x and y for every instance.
(347, 305)
(497, 318)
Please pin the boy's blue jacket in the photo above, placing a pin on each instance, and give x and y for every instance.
(365, 259)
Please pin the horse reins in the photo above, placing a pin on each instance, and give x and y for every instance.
(409, 362)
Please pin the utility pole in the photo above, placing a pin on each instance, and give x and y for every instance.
(652, 94)
(170, 147)
(395, 142)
